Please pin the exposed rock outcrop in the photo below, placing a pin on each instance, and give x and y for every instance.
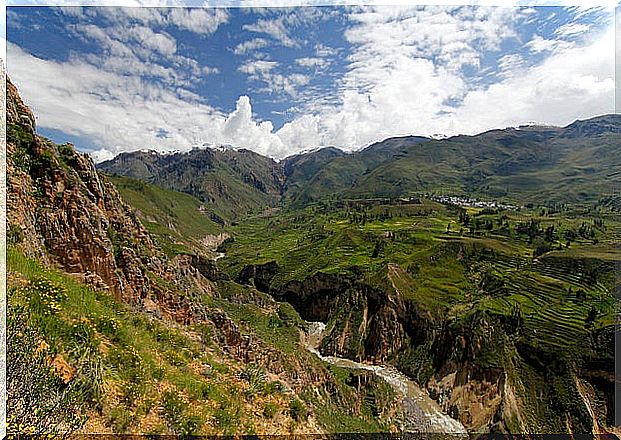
(63, 212)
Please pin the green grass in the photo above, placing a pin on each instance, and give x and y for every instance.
(174, 219)
(139, 358)
(407, 249)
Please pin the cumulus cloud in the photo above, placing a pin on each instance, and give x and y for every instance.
(405, 74)
(240, 129)
(393, 87)
(200, 21)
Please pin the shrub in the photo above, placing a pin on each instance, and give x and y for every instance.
(255, 376)
(270, 410)
(297, 410)
(274, 388)
(228, 417)
(120, 419)
(14, 234)
(38, 402)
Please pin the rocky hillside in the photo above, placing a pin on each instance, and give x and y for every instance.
(485, 368)
(61, 211)
(144, 342)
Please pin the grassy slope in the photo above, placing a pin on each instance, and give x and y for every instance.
(537, 165)
(150, 377)
(569, 170)
(174, 219)
(231, 183)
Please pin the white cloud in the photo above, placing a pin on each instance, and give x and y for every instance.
(202, 21)
(263, 71)
(273, 27)
(161, 43)
(258, 67)
(198, 20)
(240, 129)
(511, 64)
(575, 83)
(325, 51)
(312, 62)
(130, 47)
(393, 87)
(539, 44)
(571, 29)
(250, 45)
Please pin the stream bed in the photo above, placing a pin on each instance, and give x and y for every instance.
(421, 413)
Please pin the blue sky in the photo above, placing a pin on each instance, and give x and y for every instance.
(282, 80)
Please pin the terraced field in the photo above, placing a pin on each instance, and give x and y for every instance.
(561, 295)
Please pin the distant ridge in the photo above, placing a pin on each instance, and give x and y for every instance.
(529, 163)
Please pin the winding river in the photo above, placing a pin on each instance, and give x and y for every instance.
(421, 412)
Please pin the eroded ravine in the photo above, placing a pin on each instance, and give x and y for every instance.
(421, 413)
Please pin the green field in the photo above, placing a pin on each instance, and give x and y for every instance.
(491, 264)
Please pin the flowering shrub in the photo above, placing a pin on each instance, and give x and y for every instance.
(46, 295)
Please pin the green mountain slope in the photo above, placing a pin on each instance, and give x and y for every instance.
(232, 182)
(299, 169)
(520, 165)
(342, 173)
(177, 221)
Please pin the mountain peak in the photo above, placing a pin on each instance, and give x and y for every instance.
(598, 125)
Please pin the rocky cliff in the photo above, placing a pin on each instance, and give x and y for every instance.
(63, 212)
(482, 368)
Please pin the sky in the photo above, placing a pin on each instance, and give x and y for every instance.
(283, 80)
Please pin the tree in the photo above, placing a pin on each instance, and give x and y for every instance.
(591, 317)
(549, 235)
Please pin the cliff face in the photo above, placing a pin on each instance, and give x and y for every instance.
(481, 367)
(63, 212)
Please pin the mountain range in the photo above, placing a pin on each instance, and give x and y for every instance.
(529, 164)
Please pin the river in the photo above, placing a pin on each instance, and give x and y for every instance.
(421, 413)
